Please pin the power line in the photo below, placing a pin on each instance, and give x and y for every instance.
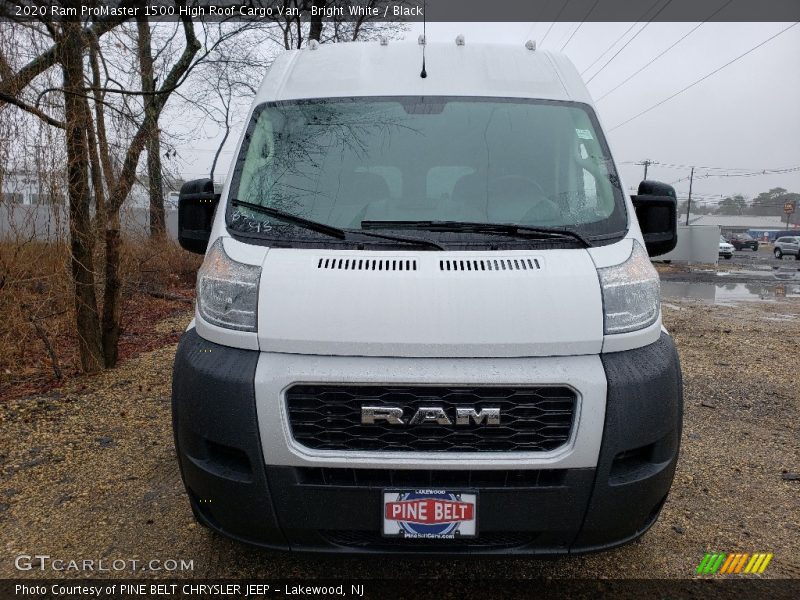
(751, 174)
(695, 28)
(572, 35)
(715, 71)
(615, 42)
(754, 174)
(591, 10)
(608, 62)
(760, 173)
(563, 6)
(728, 169)
(536, 20)
(758, 170)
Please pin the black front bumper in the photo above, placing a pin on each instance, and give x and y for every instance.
(232, 491)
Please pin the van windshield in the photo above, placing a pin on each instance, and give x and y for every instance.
(344, 161)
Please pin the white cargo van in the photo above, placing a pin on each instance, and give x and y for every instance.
(427, 319)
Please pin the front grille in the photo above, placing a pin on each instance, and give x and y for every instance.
(429, 478)
(374, 540)
(328, 417)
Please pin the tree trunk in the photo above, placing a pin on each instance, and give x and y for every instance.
(80, 225)
(123, 182)
(219, 151)
(97, 174)
(315, 27)
(100, 118)
(109, 229)
(158, 225)
(155, 180)
(112, 295)
(226, 103)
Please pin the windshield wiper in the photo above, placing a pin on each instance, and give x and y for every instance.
(399, 238)
(293, 219)
(329, 229)
(509, 229)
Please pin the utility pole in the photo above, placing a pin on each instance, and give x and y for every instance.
(647, 162)
(689, 203)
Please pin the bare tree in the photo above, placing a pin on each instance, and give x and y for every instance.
(155, 180)
(97, 337)
(120, 185)
(81, 234)
(108, 108)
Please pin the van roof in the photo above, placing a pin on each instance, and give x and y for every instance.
(374, 69)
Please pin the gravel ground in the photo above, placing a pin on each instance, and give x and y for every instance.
(89, 471)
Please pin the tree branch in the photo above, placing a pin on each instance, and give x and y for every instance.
(9, 99)
(175, 75)
(11, 86)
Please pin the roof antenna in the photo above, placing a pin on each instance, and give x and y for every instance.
(424, 73)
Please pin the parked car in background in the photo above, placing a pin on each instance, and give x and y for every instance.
(741, 241)
(789, 244)
(725, 249)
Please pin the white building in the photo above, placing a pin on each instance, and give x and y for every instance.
(27, 187)
(754, 225)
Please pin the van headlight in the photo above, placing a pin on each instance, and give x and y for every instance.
(227, 291)
(631, 293)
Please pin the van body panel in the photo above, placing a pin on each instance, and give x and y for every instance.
(338, 70)
(551, 308)
(611, 254)
(620, 342)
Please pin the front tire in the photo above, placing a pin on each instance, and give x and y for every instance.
(778, 253)
(730, 256)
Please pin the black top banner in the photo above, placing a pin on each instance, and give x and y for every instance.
(407, 10)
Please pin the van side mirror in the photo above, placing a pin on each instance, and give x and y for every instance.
(196, 205)
(657, 212)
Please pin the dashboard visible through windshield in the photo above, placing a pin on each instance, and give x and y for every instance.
(344, 161)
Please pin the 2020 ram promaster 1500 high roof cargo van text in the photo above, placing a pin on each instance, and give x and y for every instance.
(427, 320)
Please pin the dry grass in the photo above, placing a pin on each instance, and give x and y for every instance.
(38, 348)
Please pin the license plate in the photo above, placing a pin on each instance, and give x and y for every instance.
(430, 514)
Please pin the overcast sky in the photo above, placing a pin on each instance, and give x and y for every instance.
(747, 116)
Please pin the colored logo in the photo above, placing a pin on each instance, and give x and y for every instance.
(426, 513)
(719, 562)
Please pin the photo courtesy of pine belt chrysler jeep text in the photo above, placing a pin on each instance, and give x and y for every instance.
(426, 321)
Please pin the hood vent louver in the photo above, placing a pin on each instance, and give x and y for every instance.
(490, 264)
(403, 264)
(367, 264)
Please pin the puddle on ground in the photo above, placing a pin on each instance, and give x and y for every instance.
(731, 293)
(787, 274)
(759, 274)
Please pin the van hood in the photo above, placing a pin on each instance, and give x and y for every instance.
(430, 304)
